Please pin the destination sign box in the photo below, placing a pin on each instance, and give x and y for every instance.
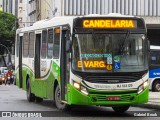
(109, 23)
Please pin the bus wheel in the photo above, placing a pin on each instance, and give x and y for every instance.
(156, 86)
(121, 109)
(30, 96)
(38, 99)
(59, 104)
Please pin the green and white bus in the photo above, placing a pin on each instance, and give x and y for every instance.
(84, 60)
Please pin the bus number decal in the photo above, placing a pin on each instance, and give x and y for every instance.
(124, 85)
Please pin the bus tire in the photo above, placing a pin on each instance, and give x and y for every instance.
(58, 103)
(30, 96)
(121, 109)
(156, 86)
(38, 99)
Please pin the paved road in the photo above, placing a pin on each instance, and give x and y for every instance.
(14, 99)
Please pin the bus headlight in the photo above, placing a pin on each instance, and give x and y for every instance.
(77, 85)
(81, 88)
(142, 87)
(145, 84)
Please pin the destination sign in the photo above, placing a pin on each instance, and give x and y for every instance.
(109, 23)
(91, 64)
(94, 64)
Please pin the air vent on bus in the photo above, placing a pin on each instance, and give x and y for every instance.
(111, 79)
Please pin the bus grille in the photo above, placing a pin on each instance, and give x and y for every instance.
(111, 79)
(100, 98)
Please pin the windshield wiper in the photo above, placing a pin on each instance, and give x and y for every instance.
(124, 42)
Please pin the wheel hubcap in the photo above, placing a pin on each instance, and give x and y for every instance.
(58, 96)
(158, 87)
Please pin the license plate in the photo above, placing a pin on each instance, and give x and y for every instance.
(113, 98)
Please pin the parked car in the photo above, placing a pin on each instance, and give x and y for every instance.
(3, 69)
(2, 78)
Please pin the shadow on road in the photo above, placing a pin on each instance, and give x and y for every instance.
(80, 111)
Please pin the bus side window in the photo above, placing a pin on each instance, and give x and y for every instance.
(154, 57)
(31, 44)
(56, 43)
(44, 44)
(50, 43)
(25, 45)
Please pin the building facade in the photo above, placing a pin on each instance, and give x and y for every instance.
(42, 9)
(39, 10)
(148, 9)
(22, 13)
(127, 7)
(31, 12)
(34, 10)
(46, 11)
(9, 6)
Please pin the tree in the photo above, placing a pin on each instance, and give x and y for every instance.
(7, 31)
(7, 27)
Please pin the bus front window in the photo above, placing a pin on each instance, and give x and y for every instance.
(109, 53)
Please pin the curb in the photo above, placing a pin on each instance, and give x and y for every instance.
(148, 105)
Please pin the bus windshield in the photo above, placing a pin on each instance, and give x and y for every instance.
(109, 53)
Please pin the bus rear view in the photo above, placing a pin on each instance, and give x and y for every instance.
(109, 62)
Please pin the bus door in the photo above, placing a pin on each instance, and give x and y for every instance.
(64, 61)
(20, 60)
(37, 55)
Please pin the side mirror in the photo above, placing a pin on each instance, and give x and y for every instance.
(68, 46)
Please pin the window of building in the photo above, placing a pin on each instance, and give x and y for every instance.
(31, 44)
(25, 45)
(56, 44)
(20, 9)
(20, 1)
(50, 43)
(44, 44)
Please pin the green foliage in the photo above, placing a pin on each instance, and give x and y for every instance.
(7, 27)
(7, 30)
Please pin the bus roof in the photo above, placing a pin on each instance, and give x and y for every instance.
(63, 20)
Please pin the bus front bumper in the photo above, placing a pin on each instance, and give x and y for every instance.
(75, 97)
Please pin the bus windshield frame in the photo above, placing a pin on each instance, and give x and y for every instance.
(104, 64)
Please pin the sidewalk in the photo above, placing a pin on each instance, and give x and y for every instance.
(154, 101)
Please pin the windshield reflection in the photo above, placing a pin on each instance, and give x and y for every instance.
(109, 53)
